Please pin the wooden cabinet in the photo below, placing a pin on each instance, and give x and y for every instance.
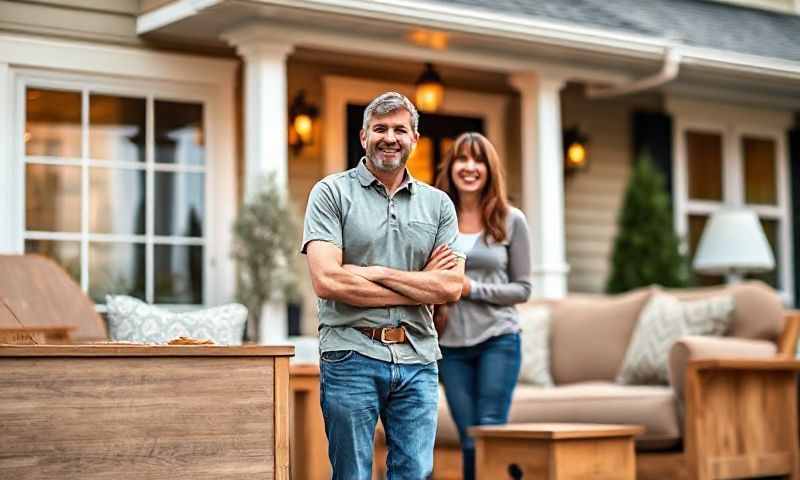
(136, 412)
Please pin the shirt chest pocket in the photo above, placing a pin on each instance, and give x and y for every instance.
(420, 238)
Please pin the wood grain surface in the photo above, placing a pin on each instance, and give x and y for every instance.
(556, 430)
(103, 350)
(606, 453)
(742, 419)
(36, 292)
(152, 417)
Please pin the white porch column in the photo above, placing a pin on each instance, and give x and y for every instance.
(265, 135)
(265, 105)
(542, 181)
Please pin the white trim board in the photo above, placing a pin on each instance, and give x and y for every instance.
(339, 91)
(24, 51)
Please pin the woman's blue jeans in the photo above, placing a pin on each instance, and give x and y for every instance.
(354, 391)
(478, 382)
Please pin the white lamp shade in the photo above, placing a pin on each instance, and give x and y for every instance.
(733, 241)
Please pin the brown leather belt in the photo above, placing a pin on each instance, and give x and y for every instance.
(385, 335)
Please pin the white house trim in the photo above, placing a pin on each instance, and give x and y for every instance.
(543, 181)
(339, 91)
(171, 13)
(732, 123)
(122, 70)
(73, 56)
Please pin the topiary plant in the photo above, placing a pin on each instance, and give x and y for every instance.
(265, 246)
(646, 249)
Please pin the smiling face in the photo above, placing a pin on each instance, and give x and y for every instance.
(389, 140)
(469, 174)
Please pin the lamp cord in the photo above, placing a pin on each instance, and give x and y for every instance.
(13, 314)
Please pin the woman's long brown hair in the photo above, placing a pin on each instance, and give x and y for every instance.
(493, 203)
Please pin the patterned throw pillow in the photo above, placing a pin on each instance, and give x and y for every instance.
(664, 320)
(132, 320)
(535, 342)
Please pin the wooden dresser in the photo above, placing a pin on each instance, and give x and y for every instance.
(144, 412)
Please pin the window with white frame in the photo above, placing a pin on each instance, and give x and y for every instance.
(734, 165)
(115, 188)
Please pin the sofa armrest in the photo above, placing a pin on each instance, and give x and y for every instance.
(692, 348)
(741, 418)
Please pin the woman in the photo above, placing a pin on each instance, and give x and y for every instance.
(479, 334)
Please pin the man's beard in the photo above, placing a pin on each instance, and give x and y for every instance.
(387, 166)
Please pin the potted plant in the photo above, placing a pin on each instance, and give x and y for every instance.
(265, 246)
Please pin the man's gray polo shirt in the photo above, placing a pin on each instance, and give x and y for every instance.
(353, 211)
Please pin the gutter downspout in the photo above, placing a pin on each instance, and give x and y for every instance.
(669, 71)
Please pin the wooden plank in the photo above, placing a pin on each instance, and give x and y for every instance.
(746, 466)
(661, 466)
(281, 389)
(496, 455)
(309, 447)
(106, 350)
(104, 418)
(776, 364)
(594, 458)
(742, 422)
(37, 292)
(787, 343)
(556, 430)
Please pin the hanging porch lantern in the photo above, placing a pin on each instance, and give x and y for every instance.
(430, 90)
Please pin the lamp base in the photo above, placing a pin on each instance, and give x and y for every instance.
(733, 277)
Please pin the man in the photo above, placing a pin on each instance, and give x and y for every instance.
(378, 248)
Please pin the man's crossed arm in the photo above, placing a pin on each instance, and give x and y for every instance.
(439, 282)
(375, 286)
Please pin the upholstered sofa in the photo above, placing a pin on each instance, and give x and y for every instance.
(589, 337)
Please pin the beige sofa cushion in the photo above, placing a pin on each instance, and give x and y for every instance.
(595, 402)
(664, 320)
(590, 335)
(534, 323)
(759, 310)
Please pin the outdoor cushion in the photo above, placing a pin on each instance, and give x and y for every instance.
(534, 322)
(759, 310)
(663, 321)
(593, 402)
(130, 319)
(590, 335)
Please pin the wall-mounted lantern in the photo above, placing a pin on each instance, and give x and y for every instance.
(576, 150)
(301, 122)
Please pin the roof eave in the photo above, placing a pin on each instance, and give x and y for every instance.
(533, 30)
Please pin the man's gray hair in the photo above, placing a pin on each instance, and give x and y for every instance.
(388, 102)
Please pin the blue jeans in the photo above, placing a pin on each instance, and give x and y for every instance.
(354, 391)
(478, 383)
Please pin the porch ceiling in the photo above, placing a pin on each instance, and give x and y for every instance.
(585, 53)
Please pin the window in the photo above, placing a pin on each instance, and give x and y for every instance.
(115, 189)
(734, 165)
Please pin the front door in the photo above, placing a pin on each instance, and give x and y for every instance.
(437, 133)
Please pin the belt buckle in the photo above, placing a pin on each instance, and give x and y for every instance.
(383, 337)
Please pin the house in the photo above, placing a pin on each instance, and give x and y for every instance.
(132, 130)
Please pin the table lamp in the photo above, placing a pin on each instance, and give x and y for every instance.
(733, 243)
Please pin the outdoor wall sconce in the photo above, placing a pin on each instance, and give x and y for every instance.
(576, 153)
(301, 122)
(430, 90)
